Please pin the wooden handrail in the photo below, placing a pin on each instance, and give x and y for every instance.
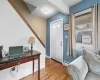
(25, 21)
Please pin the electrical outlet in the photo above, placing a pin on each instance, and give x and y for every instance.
(13, 69)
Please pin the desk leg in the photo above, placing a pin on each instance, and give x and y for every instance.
(33, 66)
(39, 68)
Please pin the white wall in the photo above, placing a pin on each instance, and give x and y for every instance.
(13, 32)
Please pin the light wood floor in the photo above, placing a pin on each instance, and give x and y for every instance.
(52, 71)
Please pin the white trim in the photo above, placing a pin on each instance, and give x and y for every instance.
(66, 64)
(83, 12)
(62, 36)
(47, 56)
(68, 43)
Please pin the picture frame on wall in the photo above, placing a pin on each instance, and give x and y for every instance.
(66, 27)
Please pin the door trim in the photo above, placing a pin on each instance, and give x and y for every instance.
(61, 19)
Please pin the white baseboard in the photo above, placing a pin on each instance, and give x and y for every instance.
(47, 56)
(65, 63)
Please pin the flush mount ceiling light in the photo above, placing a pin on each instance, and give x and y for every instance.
(46, 10)
(81, 26)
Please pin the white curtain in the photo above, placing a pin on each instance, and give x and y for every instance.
(72, 42)
(96, 27)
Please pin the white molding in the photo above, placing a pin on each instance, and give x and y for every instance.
(47, 56)
(65, 64)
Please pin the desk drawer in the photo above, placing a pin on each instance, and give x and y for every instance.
(36, 57)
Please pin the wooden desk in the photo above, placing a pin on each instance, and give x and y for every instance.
(26, 57)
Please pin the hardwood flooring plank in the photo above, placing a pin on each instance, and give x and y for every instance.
(53, 71)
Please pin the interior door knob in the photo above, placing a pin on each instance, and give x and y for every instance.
(61, 44)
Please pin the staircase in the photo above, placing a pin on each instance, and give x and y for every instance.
(25, 15)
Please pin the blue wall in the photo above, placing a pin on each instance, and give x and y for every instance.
(85, 4)
(51, 19)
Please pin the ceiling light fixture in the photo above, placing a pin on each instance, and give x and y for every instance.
(46, 12)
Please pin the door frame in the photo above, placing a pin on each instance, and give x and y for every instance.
(61, 19)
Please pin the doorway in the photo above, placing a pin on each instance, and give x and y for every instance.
(83, 31)
(56, 40)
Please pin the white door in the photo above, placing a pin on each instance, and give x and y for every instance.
(56, 40)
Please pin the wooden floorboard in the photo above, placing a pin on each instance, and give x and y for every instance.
(53, 71)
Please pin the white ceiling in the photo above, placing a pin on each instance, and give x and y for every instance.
(71, 2)
(51, 5)
(40, 11)
(40, 4)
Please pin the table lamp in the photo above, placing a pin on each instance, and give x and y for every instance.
(31, 41)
